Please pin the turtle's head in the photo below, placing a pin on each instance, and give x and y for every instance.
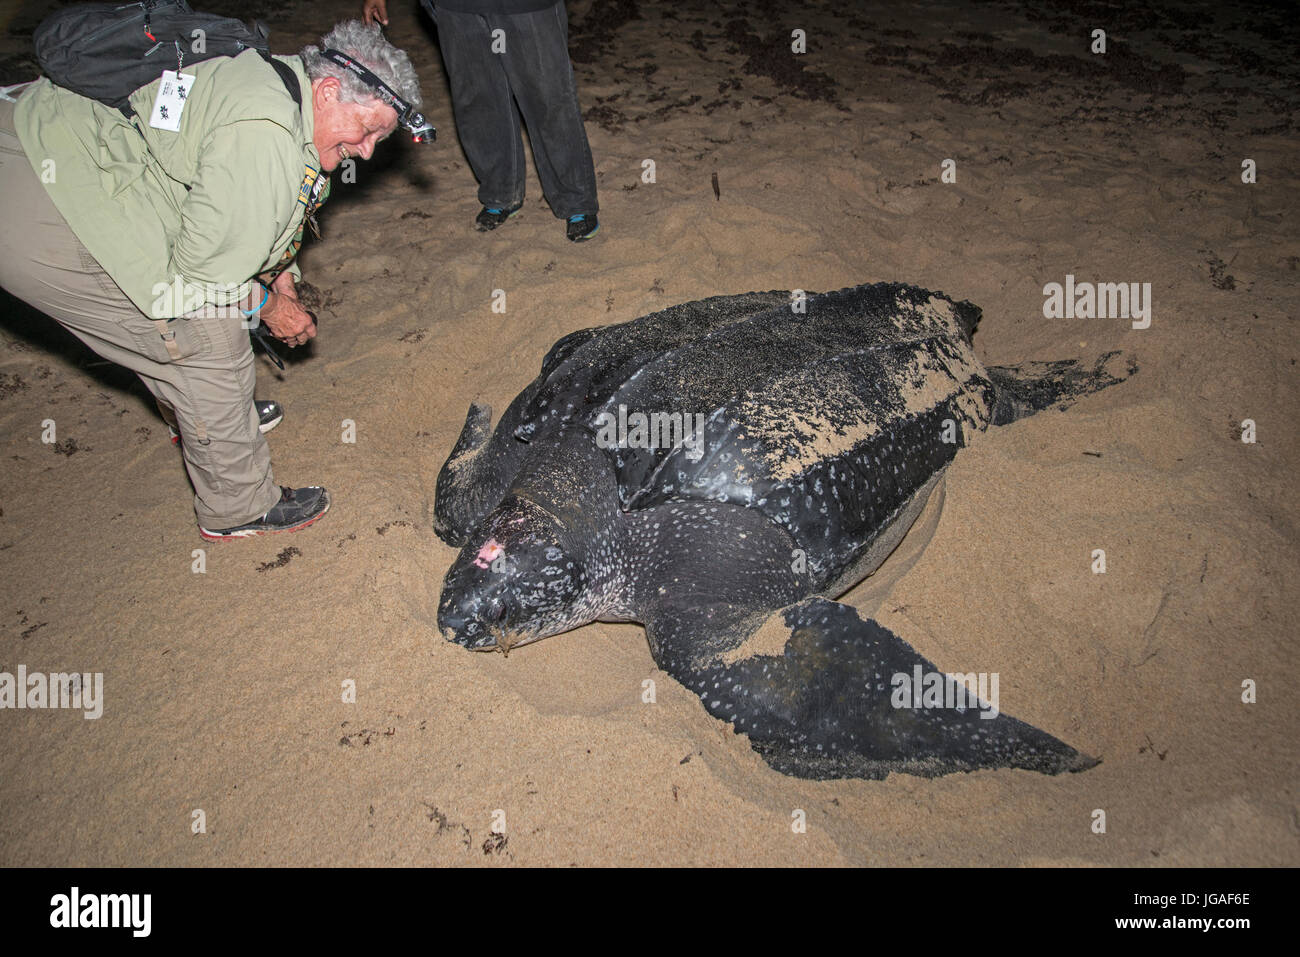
(513, 582)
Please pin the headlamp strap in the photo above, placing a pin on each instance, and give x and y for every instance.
(406, 113)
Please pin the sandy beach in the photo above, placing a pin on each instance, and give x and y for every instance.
(223, 690)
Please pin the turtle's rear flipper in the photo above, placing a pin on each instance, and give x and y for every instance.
(1033, 386)
(841, 699)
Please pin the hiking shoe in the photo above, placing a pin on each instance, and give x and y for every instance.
(297, 508)
(581, 227)
(490, 217)
(269, 414)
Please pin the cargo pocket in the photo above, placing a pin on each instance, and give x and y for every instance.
(170, 340)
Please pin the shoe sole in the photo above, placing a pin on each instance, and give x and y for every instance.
(254, 532)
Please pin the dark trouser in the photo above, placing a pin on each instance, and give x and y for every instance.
(534, 72)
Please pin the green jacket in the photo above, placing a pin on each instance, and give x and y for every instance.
(214, 204)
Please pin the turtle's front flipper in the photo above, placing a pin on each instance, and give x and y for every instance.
(453, 516)
(823, 694)
(481, 467)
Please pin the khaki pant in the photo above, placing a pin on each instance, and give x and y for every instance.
(204, 375)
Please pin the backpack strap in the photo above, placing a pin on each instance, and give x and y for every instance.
(287, 77)
(283, 71)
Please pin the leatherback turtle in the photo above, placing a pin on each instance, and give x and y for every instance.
(719, 471)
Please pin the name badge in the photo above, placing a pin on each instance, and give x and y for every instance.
(173, 92)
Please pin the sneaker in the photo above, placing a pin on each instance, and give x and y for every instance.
(581, 227)
(490, 217)
(297, 508)
(269, 414)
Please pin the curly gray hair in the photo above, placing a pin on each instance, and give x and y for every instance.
(376, 54)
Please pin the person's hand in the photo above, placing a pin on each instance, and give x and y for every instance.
(284, 285)
(287, 319)
(375, 11)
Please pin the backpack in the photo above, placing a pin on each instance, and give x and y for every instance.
(107, 51)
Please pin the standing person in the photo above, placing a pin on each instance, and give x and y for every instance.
(505, 58)
(145, 240)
